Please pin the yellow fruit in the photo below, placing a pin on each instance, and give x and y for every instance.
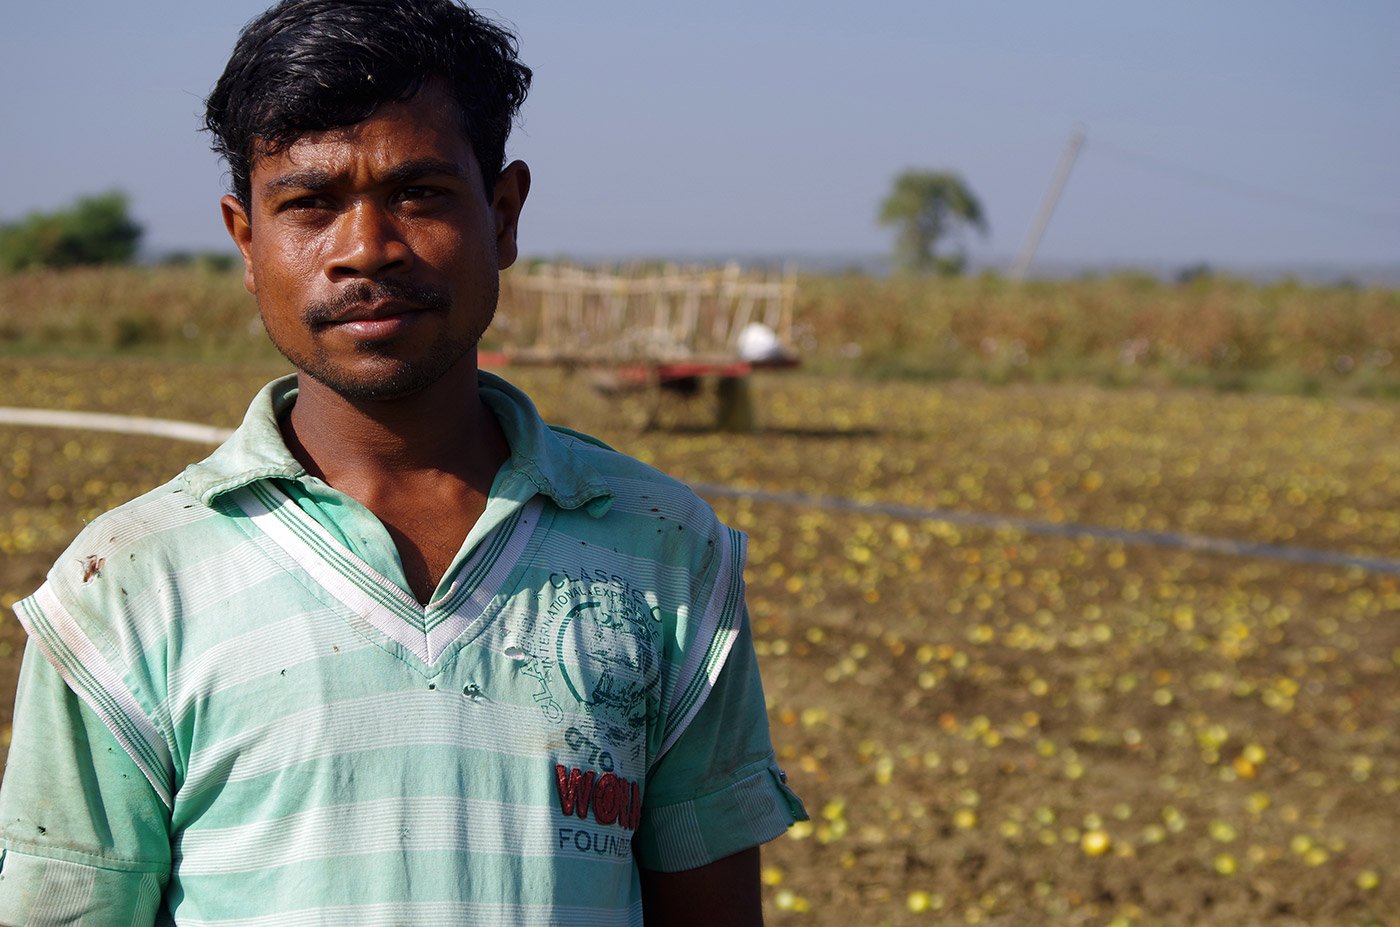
(1095, 842)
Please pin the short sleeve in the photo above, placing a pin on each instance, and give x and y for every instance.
(84, 839)
(718, 790)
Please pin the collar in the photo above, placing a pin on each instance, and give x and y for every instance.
(545, 456)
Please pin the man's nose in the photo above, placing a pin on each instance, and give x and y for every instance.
(368, 243)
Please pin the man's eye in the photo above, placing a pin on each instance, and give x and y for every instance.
(419, 193)
(304, 203)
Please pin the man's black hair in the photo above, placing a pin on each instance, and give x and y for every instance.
(311, 65)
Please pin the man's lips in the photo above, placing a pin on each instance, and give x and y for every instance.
(381, 320)
(379, 311)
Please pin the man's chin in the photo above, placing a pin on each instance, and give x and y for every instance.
(375, 389)
(389, 383)
(374, 392)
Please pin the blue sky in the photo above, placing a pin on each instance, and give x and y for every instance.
(1233, 133)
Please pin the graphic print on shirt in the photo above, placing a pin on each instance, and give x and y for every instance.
(594, 657)
(608, 807)
(595, 649)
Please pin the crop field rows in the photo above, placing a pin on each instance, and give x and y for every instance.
(988, 726)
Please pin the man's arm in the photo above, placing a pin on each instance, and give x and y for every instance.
(718, 793)
(723, 892)
(84, 840)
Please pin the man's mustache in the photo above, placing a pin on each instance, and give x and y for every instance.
(366, 292)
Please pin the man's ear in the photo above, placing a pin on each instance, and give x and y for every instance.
(512, 186)
(240, 229)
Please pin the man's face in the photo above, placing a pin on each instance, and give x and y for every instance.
(373, 250)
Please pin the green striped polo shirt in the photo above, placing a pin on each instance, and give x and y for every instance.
(232, 712)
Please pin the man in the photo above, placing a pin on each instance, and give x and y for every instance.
(397, 652)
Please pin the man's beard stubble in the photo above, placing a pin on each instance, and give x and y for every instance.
(406, 378)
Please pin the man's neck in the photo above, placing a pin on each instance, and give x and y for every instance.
(443, 429)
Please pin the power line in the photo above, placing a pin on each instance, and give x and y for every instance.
(1240, 187)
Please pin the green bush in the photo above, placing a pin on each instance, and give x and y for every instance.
(95, 230)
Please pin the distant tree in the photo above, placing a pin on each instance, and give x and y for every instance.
(95, 230)
(929, 208)
(218, 262)
(1193, 272)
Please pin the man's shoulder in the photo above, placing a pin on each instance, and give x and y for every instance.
(633, 482)
(650, 516)
(150, 533)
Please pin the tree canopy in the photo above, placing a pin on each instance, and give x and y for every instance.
(95, 230)
(930, 208)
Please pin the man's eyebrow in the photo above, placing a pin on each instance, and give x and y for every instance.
(314, 179)
(309, 179)
(418, 168)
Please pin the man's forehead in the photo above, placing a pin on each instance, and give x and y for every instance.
(422, 134)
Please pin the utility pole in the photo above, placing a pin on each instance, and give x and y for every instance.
(1047, 208)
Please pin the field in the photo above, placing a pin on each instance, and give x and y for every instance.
(989, 725)
(1118, 331)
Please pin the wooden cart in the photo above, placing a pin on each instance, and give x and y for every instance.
(662, 333)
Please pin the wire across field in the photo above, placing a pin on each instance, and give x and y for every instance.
(208, 434)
